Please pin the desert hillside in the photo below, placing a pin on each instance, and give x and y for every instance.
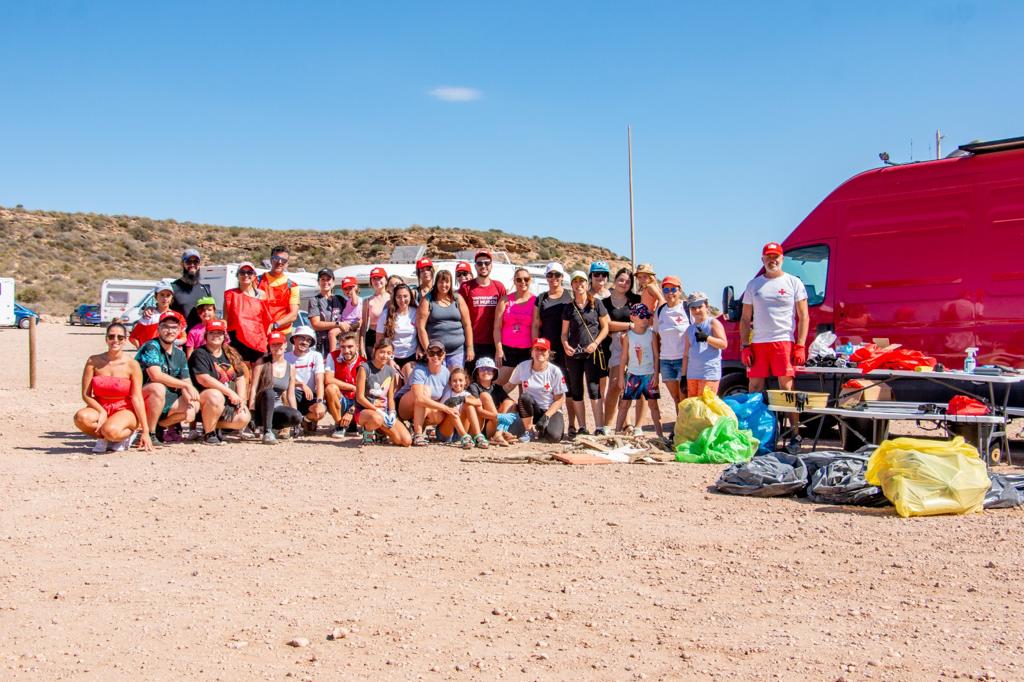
(60, 259)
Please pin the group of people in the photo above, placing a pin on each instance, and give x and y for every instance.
(462, 357)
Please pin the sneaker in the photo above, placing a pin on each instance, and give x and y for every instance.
(369, 438)
(247, 433)
(100, 446)
(172, 435)
(286, 433)
(601, 431)
(352, 429)
(269, 438)
(582, 432)
(126, 444)
(571, 433)
(339, 431)
(526, 437)
(212, 439)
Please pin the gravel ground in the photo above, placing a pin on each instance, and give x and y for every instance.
(204, 563)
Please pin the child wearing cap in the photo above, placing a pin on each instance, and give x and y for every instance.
(206, 308)
(146, 330)
(495, 411)
(638, 372)
(705, 341)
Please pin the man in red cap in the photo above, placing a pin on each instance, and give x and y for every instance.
(482, 295)
(770, 303)
(424, 279)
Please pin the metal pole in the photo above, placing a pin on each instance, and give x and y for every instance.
(632, 228)
(32, 352)
(938, 144)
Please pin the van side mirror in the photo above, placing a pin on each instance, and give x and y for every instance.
(732, 308)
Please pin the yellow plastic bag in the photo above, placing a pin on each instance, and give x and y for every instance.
(699, 413)
(925, 477)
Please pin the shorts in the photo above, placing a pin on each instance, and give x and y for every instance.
(170, 397)
(639, 385)
(347, 404)
(248, 354)
(112, 406)
(671, 370)
(514, 356)
(302, 404)
(772, 359)
(402, 362)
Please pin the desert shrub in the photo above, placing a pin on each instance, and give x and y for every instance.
(30, 295)
(65, 224)
(139, 232)
(38, 234)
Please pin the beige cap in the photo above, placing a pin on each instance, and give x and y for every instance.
(645, 269)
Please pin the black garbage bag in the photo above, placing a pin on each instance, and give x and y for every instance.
(1006, 491)
(841, 481)
(764, 476)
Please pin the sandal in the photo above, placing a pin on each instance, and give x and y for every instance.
(419, 440)
(466, 442)
(369, 437)
(481, 441)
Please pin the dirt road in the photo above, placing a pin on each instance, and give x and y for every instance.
(202, 563)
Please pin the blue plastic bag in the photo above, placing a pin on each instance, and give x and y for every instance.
(753, 414)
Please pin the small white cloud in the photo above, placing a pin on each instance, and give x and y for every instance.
(448, 93)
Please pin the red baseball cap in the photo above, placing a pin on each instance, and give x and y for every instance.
(347, 282)
(542, 343)
(424, 263)
(672, 280)
(276, 337)
(463, 266)
(483, 252)
(378, 272)
(216, 326)
(772, 248)
(170, 315)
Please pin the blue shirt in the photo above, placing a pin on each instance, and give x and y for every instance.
(152, 354)
(421, 376)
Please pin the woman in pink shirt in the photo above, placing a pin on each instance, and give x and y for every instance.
(513, 326)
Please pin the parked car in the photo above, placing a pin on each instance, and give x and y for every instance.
(22, 315)
(87, 313)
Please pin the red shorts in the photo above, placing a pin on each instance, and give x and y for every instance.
(772, 359)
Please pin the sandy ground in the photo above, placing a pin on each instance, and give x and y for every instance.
(202, 563)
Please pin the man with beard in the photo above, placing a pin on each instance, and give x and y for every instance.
(187, 289)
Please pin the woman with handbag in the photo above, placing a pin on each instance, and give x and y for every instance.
(584, 327)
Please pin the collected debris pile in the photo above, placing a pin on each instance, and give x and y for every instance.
(592, 450)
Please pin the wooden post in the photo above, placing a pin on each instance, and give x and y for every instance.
(32, 352)
(632, 232)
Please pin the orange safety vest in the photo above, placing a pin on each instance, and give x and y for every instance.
(278, 299)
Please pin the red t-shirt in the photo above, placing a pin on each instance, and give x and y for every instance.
(142, 332)
(482, 302)
(343, 371)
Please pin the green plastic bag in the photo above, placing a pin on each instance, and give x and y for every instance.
(722, 443)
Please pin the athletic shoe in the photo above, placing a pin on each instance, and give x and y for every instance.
(212, 439)
(100, 446)
(269, 438)
(793, 446)
(308, 428)
(601, 431)
(339, 431)
(286, 433)
(526, 437)
(172, 435)
(126, 444)
(247, 433)
(571, 433)
(353, 428)
(582, 432)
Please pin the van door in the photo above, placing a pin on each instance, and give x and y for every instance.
(999, 307)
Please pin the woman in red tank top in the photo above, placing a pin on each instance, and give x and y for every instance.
(112, 391)
(248, 316)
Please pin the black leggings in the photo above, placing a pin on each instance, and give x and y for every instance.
(528, 408)
(576, 369)
(278, 417)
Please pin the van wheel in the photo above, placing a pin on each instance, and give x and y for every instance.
(23, 324)
(733, 383)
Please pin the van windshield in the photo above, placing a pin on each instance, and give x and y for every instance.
(810, 264)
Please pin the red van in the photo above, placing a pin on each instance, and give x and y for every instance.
(929, 255)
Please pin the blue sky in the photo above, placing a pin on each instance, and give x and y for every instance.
(327, 115)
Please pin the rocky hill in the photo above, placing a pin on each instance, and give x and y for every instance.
(60, 259)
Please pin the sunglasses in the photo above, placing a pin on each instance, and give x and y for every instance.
(116, 337)
(246, 273)
(463, 274)
(279, 259)
(302, 339)
(435, 353)
(192, 261)
(669, 290)
(522, 280)
(554, 275)
(482, 263)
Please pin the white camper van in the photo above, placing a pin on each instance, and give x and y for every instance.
(132, 315)
(117, 296)
(6, 302)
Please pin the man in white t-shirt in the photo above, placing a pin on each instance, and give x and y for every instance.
(770, 303)
(309, 377)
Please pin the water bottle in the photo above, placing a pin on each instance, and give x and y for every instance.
(970, 362)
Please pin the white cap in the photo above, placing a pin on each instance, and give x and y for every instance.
(578, 274)
(304, 331)
(554, 267)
